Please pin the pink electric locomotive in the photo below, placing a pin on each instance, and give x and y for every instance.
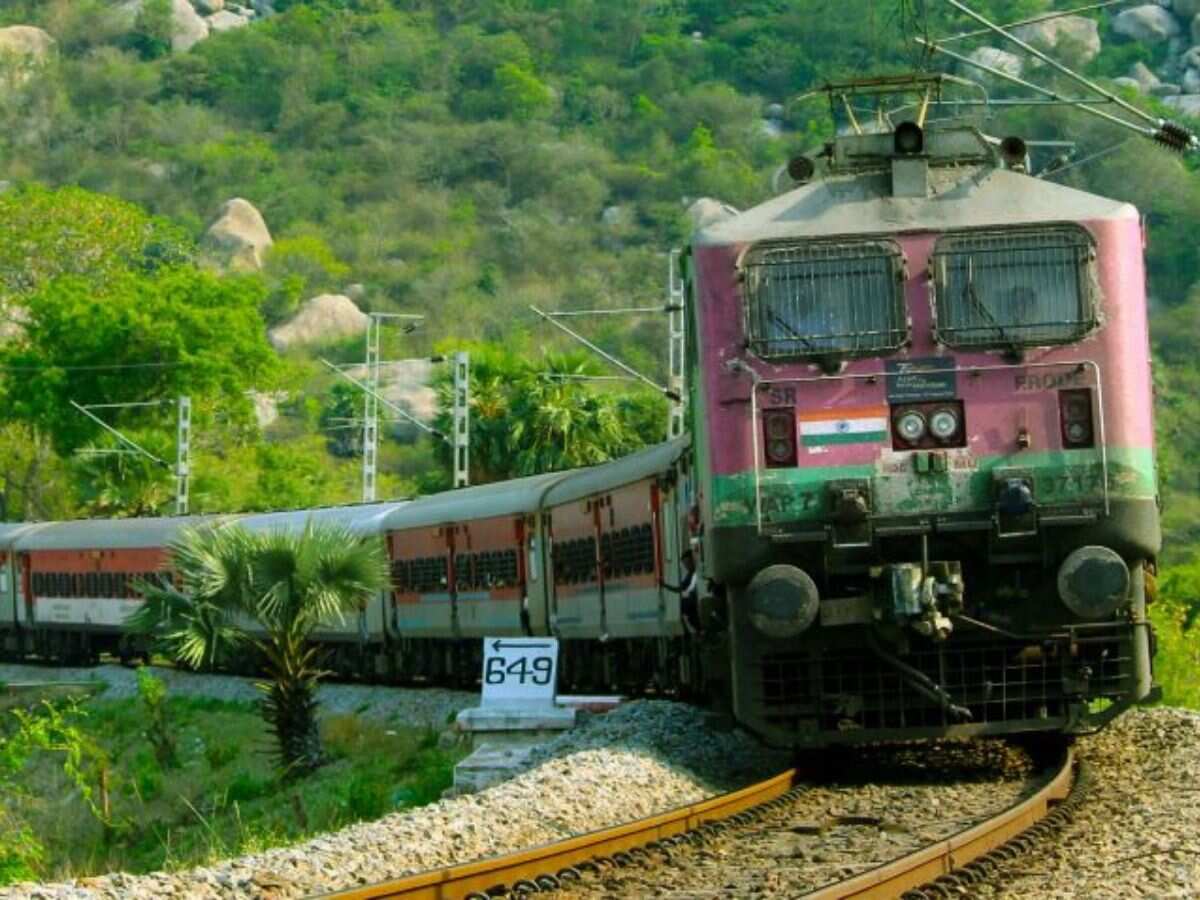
(922, 421)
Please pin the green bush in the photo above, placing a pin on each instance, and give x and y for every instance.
(219, 754)
(246, 787)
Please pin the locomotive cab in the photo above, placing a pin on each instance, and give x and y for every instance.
(921, 393)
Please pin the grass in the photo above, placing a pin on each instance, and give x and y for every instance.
(1177, 664)
(223, 798)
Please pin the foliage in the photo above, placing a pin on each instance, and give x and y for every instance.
(288, 584)
(199, 813)
(528, 418)
(49, 234)
(340, 418)
(52, 730)
(1174, 615)
(112, 480)
(35, 483)
(152, 692)
(136, 338)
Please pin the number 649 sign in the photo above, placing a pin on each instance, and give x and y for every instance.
(521, 670)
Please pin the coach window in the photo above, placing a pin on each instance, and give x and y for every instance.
(1008, 290)
(824, 300)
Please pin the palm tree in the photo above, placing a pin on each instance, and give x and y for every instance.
(289, 584)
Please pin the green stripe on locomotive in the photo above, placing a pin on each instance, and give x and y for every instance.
(1060, 478)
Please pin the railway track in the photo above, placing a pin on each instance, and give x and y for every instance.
(630, 859)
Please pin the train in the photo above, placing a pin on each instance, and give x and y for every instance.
(588, 555)
(917, 481)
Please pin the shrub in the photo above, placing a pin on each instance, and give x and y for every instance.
(152, 692)
(220, 754)
(246, 787)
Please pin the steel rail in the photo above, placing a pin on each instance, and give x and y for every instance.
(936, 860)
(486, 875)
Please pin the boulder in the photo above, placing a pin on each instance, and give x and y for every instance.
(356, 291)
(995, 58)
(1140, 72)
(1149, 23)
(226, 21)
(707, 211)
(408, 384)
(1079, 31)
(188, 28)
(1166, 89)
(1195, 30)
(614, 216)
(266, 407)
(208, 7)
(1191, 82)
(239, 237)
(1186, 9)
(321, 319)
(1187, 104)
(25, 42)
(1126, 82)
(775, 110)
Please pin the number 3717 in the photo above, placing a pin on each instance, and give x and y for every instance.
(522, 670)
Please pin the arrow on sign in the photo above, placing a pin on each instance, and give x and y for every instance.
(512, 645)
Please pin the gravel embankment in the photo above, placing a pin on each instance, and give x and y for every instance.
(1137, 833)
(418, 706)
(642, 758)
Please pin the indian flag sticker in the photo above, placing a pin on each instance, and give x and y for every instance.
(830, 427)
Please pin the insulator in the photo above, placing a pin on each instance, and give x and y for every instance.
(1174, 136)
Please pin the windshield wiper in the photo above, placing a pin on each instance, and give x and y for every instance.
(779, 320)
(973, 297)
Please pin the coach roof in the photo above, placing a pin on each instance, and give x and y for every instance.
(360, 518)
(504, 498)
(108, 534)
(608, 476)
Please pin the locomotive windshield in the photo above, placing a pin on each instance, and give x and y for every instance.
(824, 299)
(1008, 290)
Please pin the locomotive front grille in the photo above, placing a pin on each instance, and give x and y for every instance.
(850, 689)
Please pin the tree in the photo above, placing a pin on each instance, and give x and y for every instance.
(531, 417)
(288, 583)
(134, 338)
(45, 234)
(113, 481)
(341, 419)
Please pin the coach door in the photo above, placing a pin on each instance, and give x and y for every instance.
(422, 592)
(489, 576)
(578, 583)
(631, 561)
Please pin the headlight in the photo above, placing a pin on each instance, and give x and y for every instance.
(1094, 582)
(911, 426)
(943, 424)
(783, 601)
